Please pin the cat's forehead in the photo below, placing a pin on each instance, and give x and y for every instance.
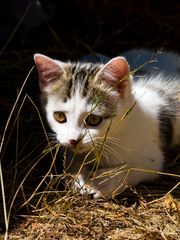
(77, 77)
(83, 67)
(81, 77)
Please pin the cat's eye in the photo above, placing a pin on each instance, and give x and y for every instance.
(60, 117)
(93, 120)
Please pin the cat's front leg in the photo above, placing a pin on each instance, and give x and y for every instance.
(78, 174)
(101, 183)
(110, 182)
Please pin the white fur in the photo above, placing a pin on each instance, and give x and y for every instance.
(137, 148)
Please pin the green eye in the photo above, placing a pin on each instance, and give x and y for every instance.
(60, 117)
(93, 120)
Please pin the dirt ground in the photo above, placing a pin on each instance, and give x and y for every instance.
(69, 30)
(90, 219)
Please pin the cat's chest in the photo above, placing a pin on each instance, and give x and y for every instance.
(132, 148)
(115, 154)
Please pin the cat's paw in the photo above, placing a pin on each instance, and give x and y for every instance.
(84, 189)
(78, 185)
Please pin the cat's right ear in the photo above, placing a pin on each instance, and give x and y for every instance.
(116, 73)
(49, 70)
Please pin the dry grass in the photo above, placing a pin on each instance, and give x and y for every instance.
(34, 204)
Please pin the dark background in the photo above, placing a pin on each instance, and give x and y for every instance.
(72, 28)
(65, 30)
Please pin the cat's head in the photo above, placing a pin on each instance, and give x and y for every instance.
(81, 99)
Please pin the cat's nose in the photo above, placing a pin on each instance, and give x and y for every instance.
(74, 142)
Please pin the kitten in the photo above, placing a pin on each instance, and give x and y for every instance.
(119, 132)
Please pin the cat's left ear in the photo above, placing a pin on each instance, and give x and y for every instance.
(117, 74)
(49, 70)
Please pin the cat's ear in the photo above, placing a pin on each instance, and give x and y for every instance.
(49, 70)
(116, 73)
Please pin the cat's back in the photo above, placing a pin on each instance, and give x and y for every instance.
(166, 86)
(159, 96)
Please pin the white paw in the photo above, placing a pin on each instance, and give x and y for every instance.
(83, 187)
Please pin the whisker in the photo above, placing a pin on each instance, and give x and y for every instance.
(117, 141)
(112, 151)
(103, 152)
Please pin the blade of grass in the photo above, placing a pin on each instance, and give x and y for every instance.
(1, 147)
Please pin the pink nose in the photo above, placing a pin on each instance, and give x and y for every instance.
(74, 142)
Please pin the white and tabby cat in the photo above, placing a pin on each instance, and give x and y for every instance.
(127, 128)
